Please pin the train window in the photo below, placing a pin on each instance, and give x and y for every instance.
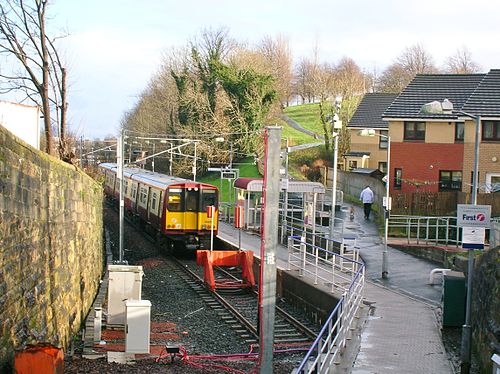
(192, 196)
(143, 195)
(134, 191)
(208, 198)
(126, 188)
(153, 202)
(175, 200)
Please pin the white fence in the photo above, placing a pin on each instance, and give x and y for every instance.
(345, 275)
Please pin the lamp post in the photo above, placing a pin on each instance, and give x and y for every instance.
(465, 352)
(336, 125)
(387, 205)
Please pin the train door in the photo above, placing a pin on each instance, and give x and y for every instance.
(154, 204)
(192, 198)
(142, 206)
(126, 193)
(208, 198)
(133, 196)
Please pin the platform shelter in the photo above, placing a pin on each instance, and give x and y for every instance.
(295, 197)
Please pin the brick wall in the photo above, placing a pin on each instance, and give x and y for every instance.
(421, 162)
(51, 257)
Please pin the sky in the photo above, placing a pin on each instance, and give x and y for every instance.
(115, 47)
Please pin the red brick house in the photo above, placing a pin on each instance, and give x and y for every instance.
(432, 140)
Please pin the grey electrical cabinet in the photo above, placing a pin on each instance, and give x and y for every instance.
(137, 329)
(454, 298)
(125, 283)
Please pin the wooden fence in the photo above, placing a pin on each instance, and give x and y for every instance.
(439, 203)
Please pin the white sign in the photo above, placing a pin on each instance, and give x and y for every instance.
(473, 237)
(384, 203)
(473, 215)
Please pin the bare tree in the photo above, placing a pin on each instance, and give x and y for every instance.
(461, 63)
(278, 57)
(39, 72)
(414, 60)
(303, 80)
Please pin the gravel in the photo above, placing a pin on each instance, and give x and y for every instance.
(192, 324)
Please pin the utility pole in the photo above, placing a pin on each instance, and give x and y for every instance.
(467, 328)
(119, 161)
(269, 242)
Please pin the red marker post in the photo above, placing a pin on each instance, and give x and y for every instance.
(211, 214)
(239, 220)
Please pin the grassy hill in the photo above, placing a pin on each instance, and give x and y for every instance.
(307, 115)
(302, 164)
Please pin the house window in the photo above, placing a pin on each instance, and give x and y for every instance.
(382, 144)
(382, 166)
(459, 132)
(414, 131)
(353, 164)
(493, 182)
(398, 174)
(450, 180)
(491, 130)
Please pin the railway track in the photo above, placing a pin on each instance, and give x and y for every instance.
(238, 308)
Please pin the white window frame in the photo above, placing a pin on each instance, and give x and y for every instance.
(488, 185)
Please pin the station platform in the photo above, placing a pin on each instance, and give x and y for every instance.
(401, 333)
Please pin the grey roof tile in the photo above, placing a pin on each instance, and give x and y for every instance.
(370, 110)
(425, 88)
(485, 100)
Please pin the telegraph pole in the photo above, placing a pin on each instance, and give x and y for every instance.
(269, 242)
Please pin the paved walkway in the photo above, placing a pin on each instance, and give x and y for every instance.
(401, 334)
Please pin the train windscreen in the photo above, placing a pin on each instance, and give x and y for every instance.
(208, 198)
(175, 200)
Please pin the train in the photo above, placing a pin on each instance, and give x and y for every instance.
(183, 214)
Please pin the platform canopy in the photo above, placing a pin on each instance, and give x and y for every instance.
(255, 185)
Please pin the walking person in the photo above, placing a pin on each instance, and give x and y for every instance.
(367, 198)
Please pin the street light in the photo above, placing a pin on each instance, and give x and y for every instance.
(337, 125)
(387, 205)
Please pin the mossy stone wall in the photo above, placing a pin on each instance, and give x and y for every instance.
(51, 250)
(486, 308)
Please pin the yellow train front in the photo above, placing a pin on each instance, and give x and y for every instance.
(176, 209)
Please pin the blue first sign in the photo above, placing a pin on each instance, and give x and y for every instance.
(469, 215)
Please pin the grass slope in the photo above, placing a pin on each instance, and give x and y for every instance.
(307, 115)
(247, 170)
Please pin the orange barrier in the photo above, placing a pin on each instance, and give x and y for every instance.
(39, 359)
(209, 259)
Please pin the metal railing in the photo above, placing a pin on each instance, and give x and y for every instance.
(426, 229)
(328, 266)
(295, 224)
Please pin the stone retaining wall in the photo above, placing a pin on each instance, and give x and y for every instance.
(51, 252)
(486, 308)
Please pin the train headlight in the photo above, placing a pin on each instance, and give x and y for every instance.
(203, 227)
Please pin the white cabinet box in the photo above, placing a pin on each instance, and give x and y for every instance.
(125, 282)
(137, 329)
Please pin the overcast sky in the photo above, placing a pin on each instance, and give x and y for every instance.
(115, 46)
